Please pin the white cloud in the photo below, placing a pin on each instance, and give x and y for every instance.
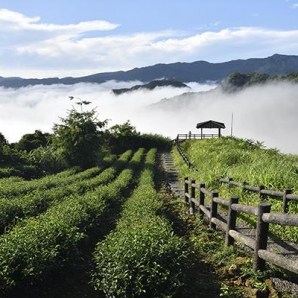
(12, 17)
(264, 113)
(26, 109)
(295, 5)
(30, 48)
(16, 21)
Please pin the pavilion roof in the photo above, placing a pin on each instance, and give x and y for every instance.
(211, 124)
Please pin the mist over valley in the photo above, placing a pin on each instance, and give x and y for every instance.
(266, 113)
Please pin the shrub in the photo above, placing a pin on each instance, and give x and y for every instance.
(141, 257)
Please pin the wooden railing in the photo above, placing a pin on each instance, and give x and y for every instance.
(286, 195)
(183, 155)
(190, 136)
(228, 223)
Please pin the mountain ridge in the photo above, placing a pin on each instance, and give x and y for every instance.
(197, 71)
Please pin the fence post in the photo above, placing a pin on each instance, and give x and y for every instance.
(192, 196)
(230, 180)
(261, 236)
(201, 198)
(261, 187)
(213, 209)
(244, 183)
(186, 189)
(285, 201)
(231, 222)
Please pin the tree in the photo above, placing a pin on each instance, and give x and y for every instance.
(3, 140)
(122, 137)
(32, 141)
(3, 144)
(79, 136)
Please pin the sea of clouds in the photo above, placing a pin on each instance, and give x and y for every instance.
(266, 113)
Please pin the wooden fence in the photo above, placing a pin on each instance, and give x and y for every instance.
(286, 195)
(184, 157)
(228, 223)
(190, 136)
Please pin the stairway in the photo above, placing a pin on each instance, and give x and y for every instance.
(172, 177)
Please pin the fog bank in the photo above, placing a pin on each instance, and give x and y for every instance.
(266, 113)
(263, 113)
(26, 109)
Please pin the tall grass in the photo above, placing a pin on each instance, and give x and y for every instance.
(242, 160)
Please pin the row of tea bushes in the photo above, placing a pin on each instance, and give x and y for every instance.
(40, 245)
(36, 202)
(141, 257)
(14, 187)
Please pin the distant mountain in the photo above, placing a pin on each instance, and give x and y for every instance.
(152, 85)
(199, 71)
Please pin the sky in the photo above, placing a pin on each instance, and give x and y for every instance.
(75, 38)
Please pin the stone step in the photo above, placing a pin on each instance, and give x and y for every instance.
(172, 175)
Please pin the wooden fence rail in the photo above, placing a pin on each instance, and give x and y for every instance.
(190, 136)
(184, 157)
(286, 195)
(228, 223)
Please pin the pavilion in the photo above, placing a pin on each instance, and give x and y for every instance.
(211, 124)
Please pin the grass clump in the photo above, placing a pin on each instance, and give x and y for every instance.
(242, 160)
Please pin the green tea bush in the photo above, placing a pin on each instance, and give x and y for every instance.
(141, 257)
(40, 199)
(40, 245)
(34, 248)
(9, 189)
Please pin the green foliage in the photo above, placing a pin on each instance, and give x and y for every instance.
(48, 158)
(33, 248)
(151, 85)
(79, 137)
(237, 81)
(38, 246)
(141, 257)
(15, 163)
(124, 136)
(293, 77)
(243, 160)
(155, 140)
(28, 142)
(229, 157)
(3, 140)
(23, 199)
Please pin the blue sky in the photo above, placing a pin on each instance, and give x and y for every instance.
(75, 38)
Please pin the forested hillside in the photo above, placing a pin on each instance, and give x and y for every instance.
(237, 81)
